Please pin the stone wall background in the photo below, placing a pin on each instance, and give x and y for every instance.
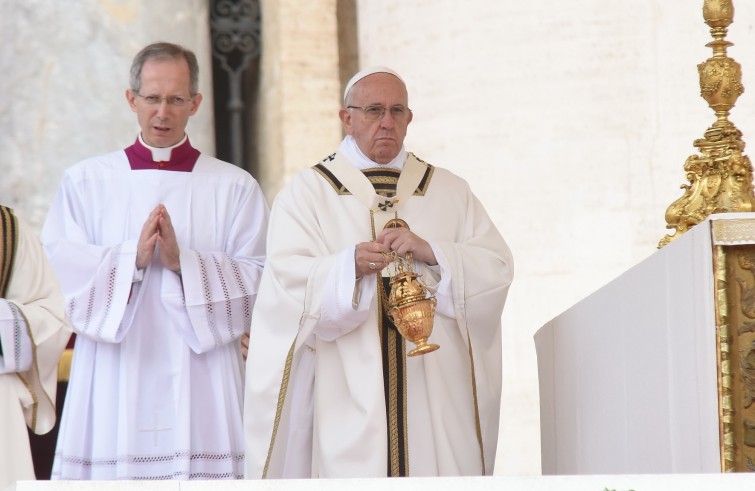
(570, 120)
(64, 72)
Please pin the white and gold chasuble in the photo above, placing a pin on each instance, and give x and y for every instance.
(315, 403)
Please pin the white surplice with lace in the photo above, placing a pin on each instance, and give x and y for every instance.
(157, 377)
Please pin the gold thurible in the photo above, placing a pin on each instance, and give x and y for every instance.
(410, 305)
(720, 177)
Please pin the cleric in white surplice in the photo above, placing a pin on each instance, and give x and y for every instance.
(330, 391)
(159, 250)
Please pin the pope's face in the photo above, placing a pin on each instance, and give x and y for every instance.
(380, 139)
(163, 123)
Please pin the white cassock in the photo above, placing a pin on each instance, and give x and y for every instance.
(315, 403)
(33, 334)
(157, 375)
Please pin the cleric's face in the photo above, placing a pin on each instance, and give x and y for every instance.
(164, 102)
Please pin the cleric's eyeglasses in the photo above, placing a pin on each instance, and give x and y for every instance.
(373, 113)
(172, 100)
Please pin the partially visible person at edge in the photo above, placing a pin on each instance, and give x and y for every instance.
(333, 393)
(33, 334)
(159, 250)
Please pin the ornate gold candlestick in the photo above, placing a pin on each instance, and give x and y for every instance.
(720, 178)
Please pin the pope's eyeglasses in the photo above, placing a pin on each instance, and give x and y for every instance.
(373, 113)
(172, 100)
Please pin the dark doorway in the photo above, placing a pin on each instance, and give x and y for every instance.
(235, 31)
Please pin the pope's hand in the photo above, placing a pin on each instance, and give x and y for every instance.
(402, 240)
(369, 258)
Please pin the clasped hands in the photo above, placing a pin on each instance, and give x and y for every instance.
(371, 257)
(158, 232)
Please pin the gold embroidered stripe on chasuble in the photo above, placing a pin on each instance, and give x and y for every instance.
(7, 247)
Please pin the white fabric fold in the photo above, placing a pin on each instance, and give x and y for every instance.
(15, 339)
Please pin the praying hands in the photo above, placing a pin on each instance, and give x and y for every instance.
(158, 231)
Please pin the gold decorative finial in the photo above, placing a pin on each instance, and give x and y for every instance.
(720, 178)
